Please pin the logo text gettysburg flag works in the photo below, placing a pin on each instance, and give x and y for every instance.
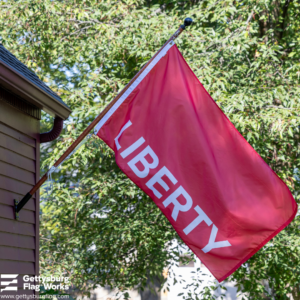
(172, 140)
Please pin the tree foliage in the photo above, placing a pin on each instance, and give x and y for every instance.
(98, 226)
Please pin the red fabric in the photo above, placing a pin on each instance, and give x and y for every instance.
(224, 176)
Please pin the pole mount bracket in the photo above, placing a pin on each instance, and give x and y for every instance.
(19, 205)
(16, 202)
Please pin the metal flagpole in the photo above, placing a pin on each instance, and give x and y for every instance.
(26, 198)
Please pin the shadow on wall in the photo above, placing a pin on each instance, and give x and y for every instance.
(229, 294)
(100, 293)
(151, 291)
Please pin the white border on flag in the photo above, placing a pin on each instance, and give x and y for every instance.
(161, 54)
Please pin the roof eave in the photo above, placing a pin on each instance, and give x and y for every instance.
(23, 87)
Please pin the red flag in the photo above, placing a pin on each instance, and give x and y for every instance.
(173, 141)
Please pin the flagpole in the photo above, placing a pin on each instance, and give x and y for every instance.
(26, 198)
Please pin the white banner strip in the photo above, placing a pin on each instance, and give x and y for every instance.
(9, 288)
(13, 276)
(3, 283)
(133, 86)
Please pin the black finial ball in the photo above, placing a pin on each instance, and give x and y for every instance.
(188, 22)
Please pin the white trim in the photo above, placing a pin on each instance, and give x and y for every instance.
(133, 86)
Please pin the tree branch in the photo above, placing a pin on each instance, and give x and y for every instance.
(284, 14)
(238, 30)
(279, 107)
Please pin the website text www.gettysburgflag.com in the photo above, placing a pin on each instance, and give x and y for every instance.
(29, 297)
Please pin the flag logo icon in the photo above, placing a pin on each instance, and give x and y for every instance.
(7, 280)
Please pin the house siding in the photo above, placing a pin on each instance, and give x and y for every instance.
(19, 171)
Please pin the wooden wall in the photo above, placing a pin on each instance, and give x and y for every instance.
(19, 170)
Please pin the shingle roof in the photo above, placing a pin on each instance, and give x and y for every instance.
(10, 60)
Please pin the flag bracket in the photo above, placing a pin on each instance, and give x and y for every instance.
(19, 205)
(16, 202)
